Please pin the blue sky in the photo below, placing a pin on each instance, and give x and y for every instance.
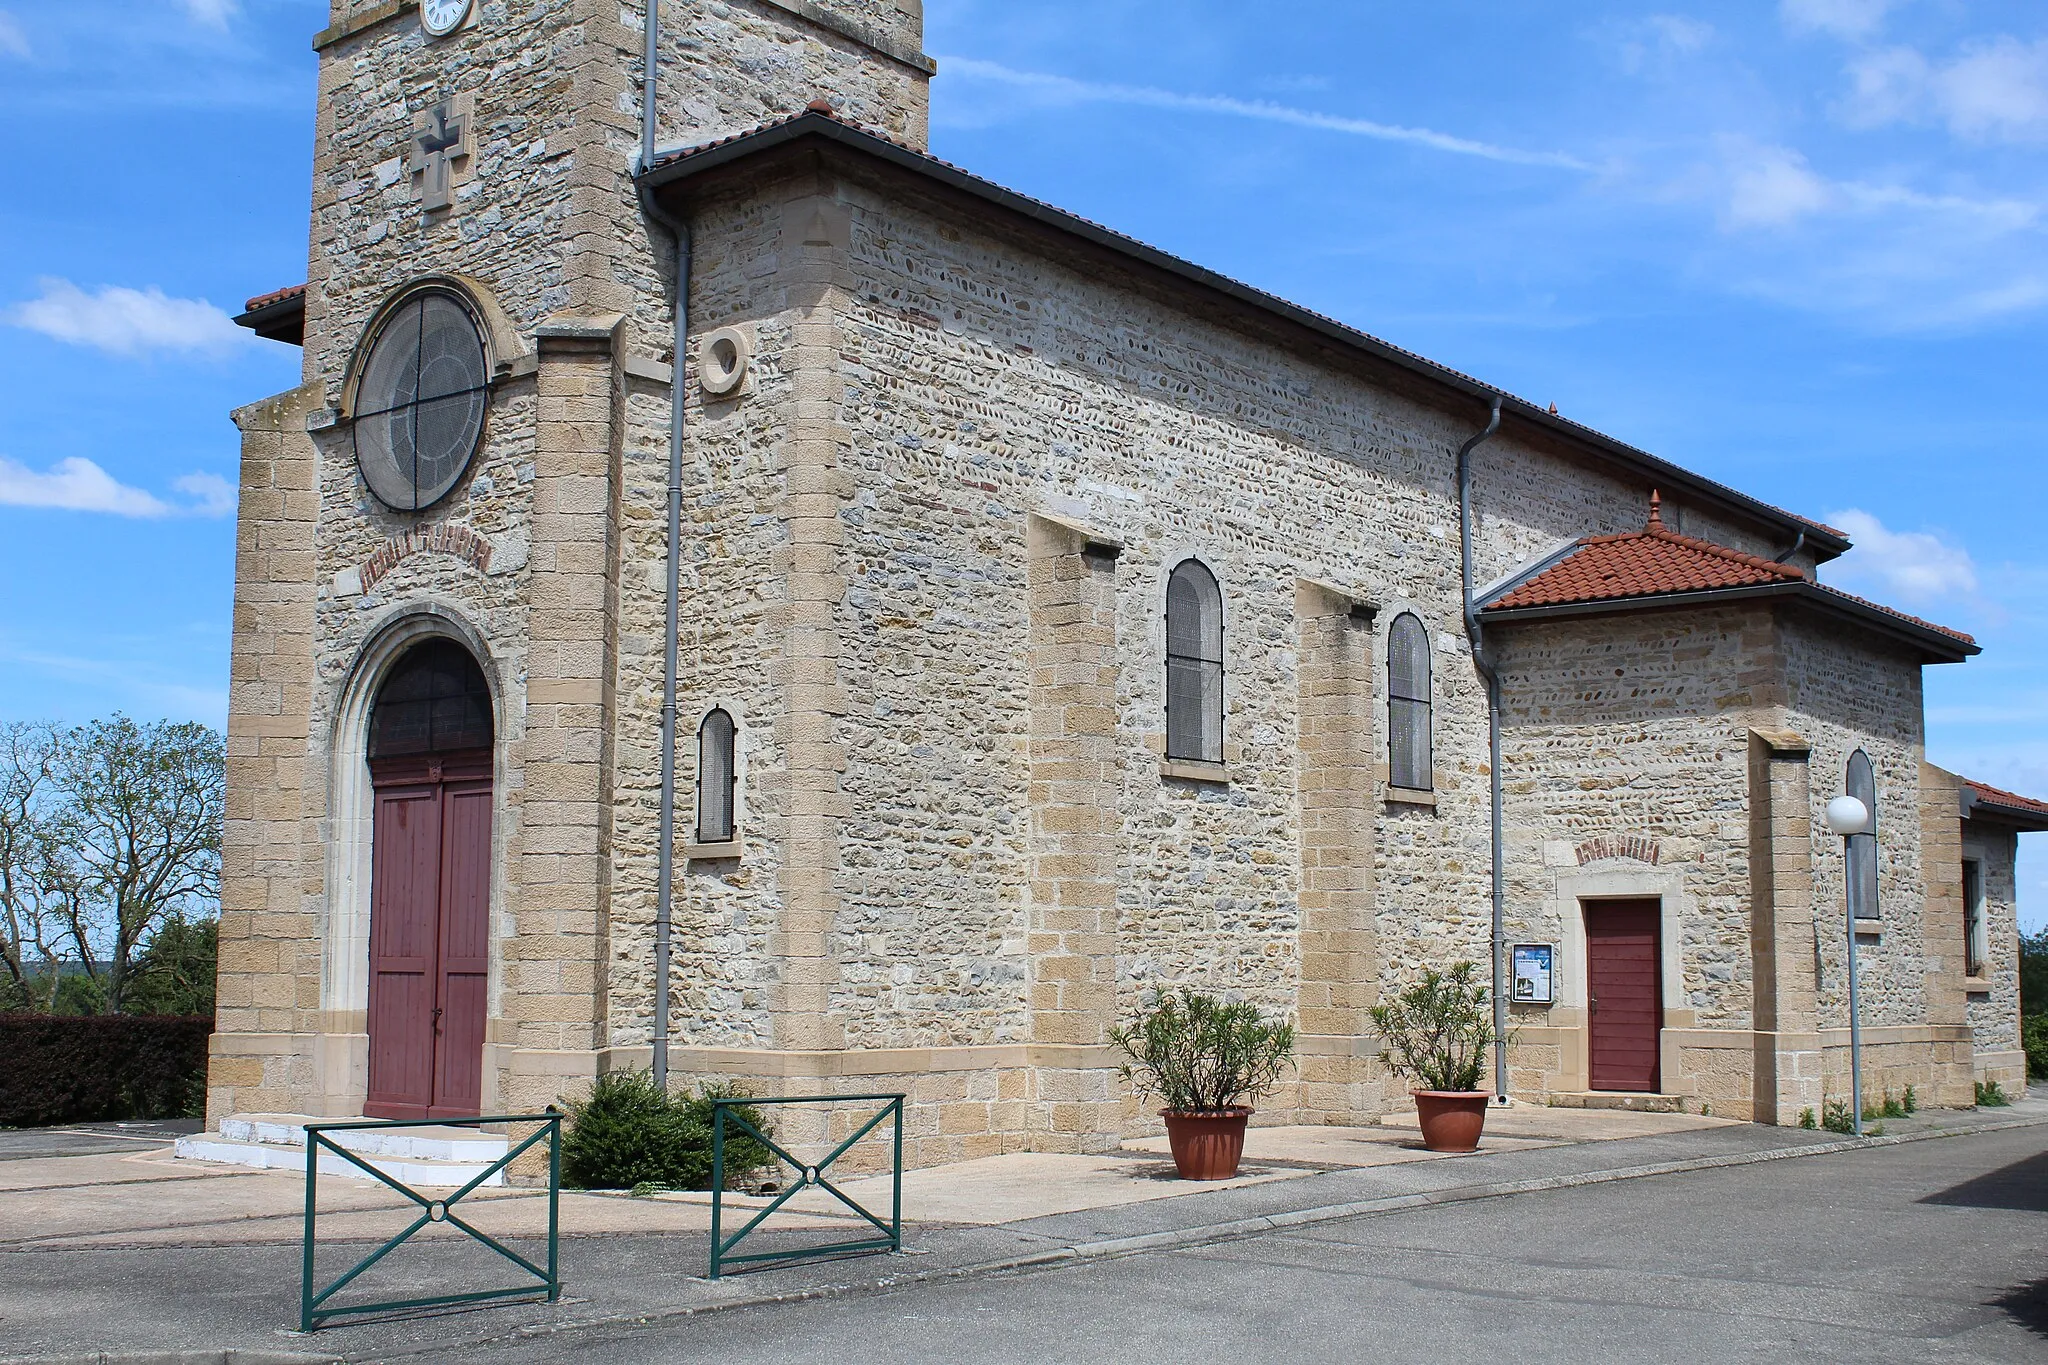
(1798, 245)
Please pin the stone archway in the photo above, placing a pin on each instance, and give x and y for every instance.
(430, 762)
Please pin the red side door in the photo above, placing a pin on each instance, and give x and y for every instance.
(405, 880)
(1624, 996)
(463, 968)
(430, 889)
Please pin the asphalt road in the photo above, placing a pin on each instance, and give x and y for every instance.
(90, 1139)
(1929, 1251)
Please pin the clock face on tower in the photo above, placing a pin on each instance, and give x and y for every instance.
(442, 17)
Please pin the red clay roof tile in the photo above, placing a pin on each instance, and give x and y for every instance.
(1658, 562)
(1643, 563)
(274, 296)
(1988, 795)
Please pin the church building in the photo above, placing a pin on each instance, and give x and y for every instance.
(733, 591)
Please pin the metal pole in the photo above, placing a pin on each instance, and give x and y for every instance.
(1855, 1018)
(554, 1205)
(312, 1211)
(717, 1183)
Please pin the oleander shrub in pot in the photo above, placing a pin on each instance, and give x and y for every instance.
(1437, 1033)
(1208, 1062)
(630, 1134)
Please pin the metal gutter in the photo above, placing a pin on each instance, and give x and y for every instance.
(665, 858)
(677, 168)
(1489, 674)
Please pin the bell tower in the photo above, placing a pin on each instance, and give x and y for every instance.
(727, 67)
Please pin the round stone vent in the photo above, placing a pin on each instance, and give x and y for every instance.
(420, 405)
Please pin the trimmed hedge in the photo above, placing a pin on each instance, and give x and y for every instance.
(63, 1068)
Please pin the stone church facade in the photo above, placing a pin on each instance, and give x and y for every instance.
(1058, 621)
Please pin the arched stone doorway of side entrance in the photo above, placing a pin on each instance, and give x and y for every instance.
(430, 758)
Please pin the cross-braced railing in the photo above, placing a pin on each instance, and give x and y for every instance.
(432, 1209)
(809, 1175)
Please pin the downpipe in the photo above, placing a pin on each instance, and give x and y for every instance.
(665, 861)
(1490, 675)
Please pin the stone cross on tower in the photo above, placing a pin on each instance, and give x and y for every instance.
(437, 145)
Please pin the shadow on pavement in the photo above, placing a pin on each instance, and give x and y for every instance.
(2022, 1186)
(2027, 1305)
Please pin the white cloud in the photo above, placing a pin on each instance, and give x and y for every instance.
(212, 496)
(76, 485)
(1066, 90)
(13, 41)
(1914, 566)
(1990, 91)
(1659, 41)
(122, 321)
(1772, 187)
(213, 13)
(1851, 19)
(79, 485)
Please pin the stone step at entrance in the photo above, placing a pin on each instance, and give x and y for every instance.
(438, 1156)
(1618, 1099)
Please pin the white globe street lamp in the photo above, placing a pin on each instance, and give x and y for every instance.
(1849, 817)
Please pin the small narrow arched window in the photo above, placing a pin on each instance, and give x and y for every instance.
(1858, 781)
(1194, 665)
(717, 778)
(1410, 762)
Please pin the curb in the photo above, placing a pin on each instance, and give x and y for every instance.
(175, 1358)
(1232, 1230)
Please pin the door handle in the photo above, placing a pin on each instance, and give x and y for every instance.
(437, 1018)
(1592, 1005)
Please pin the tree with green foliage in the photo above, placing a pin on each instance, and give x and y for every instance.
(109, 834)
(2034, 971)
(175, 973)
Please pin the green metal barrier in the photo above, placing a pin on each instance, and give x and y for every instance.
(807, 1177)
(433, 1209)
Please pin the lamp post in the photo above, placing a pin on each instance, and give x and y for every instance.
(1849, 817)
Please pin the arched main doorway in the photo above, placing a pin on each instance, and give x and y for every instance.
(430, 885)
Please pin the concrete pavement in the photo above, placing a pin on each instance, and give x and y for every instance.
(233, 1281)
(1925, 1252)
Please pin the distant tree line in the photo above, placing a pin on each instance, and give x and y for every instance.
(109, 866)
(2034, 1000)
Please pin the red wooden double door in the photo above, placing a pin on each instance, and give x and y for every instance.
(430, 878)
(1624, 996)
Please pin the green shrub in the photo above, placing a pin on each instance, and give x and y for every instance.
(1806, 1119)
(2034, 1038)
(1836, 1117)
(629, 1135)
(1991, 1095)
(1439, 1029)
(1912, 1101)
(1196, 1052)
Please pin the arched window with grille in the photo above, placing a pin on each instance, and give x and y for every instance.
(1410, 762)
(1194, 664)
(717, 778)
(1860, 782)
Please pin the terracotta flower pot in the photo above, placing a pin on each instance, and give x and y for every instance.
(1451, 1119)
(1207, 1143)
